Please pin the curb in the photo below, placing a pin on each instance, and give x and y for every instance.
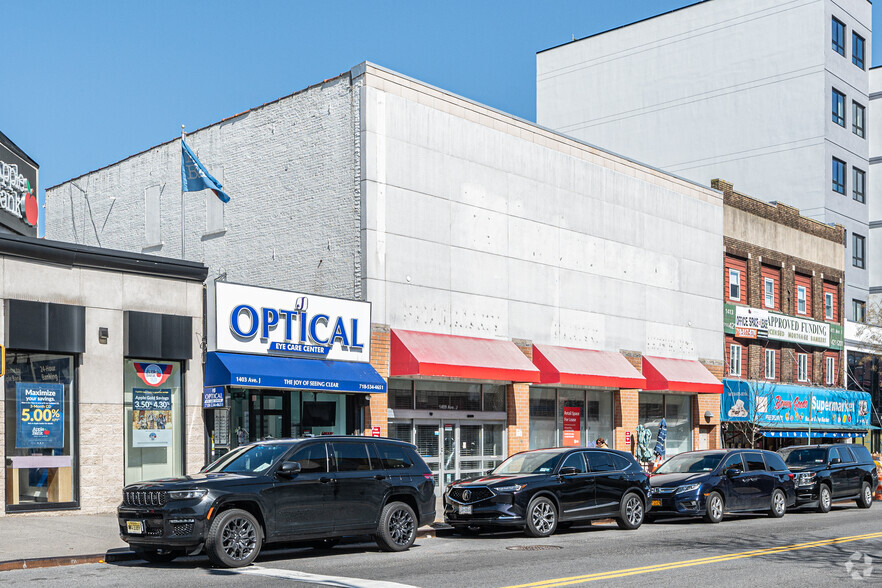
(113, 556)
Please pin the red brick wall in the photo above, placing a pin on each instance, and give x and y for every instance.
(625, 408)
(376, 414)
(518, 408)
(702, 403)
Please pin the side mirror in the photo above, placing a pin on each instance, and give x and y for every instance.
(732, 472)
(835, 461)
(489, 472)
(289, 468)
(568, 471)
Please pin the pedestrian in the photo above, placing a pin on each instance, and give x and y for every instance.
(601, 443)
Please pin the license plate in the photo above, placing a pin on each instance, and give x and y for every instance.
(465, 509)
(135, 527)
(656, 502)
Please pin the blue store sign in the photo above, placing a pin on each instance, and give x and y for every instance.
(213, 397)
(40, 410)
(787, 406)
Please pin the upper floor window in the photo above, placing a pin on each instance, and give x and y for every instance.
(831, 371)
(838, 176)
(735, 360)
(859, 310)
(770, 364)
(857, 185)
(838, 107)
(734, 285)
(857, 119)
(857, 250)
(857, 50)
(802, 367)
(838, 37)
(828, 306)
(768, 292)
(801, 292)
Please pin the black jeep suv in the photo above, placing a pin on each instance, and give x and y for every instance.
(828, 473)
(317, 489)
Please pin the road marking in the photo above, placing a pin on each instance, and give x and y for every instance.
(694, 562)
(317, 578)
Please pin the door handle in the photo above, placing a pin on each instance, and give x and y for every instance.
(326, 480)
(379, 477)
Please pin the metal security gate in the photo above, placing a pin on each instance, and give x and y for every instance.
(453, 449)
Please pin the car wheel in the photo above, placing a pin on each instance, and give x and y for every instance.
(824, 498)
(324, 543)
(866, 498)
(779, 504)
(398, 527)
(234, 539)
(713, 508)
(158, 555)
(541, 517)
(631, 512)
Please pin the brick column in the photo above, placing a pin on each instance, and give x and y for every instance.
(376, 414)
(518, 420)
(702, 403)
(626, 410)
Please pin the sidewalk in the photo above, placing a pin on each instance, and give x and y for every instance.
(62, 538)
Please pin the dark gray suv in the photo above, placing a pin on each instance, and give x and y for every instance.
(317, 489)
(828, 473)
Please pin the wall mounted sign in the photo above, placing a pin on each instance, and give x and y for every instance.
(755, 323)
(572, 426)
(40, 410)
(266, 321)
(213, 397)
(19, 210)
(152, 417)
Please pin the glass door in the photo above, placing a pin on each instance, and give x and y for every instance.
(269, 415)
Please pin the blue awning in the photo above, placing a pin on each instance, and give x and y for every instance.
(815, 434)
(264, 371)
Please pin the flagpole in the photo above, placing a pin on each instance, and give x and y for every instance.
(183, 243)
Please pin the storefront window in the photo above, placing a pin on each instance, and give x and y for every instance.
(153, 418)
(570, 417)
(400, 394)
(676, 409)
(448, 396)
(40, 427)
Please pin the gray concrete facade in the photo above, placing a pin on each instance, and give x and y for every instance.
(448, 216)
(732, 89)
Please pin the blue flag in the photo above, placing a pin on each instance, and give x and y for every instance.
(194, 176)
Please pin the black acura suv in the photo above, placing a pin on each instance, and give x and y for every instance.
(317, 489)
(828, 473)
(546, 489)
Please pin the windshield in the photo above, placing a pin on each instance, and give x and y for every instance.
(805, 457)
(253, 459)
(537, 462)
(690, 464)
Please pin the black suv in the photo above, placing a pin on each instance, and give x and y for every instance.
(544, 489)
(318, 489)
(825, 473)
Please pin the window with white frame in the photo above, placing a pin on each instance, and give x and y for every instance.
(768, 292)
(828, 306)
(831, 371)
(770, 364)
(858, 310)
(801, 293)
(735, 360)
(734, 284)
(802, 367)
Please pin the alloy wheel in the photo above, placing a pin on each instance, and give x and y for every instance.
(239, 538)
(868, 495)
(634, 511)
(401, 526)
(779, 502)
(716, 507)
(825, 498)
(543, 517)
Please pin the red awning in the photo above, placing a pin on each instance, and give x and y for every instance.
(429, 354)
(679, 375)
(585, 367)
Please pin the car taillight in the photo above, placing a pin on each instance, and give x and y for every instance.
(427, 476)
(791, 476)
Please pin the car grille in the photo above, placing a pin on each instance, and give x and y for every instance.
(145, 498)
(663, 490)
(470, 494)
(182, 528)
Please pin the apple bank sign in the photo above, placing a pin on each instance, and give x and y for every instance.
(266, 321)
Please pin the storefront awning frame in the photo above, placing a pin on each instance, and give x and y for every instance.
(585, 367)
(679, 375)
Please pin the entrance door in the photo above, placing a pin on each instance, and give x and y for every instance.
(269, 415)
(456, 449)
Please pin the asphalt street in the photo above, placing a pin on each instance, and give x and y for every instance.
(803, 549)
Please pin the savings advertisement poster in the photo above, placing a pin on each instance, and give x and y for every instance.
(40, 409)
(152, 417)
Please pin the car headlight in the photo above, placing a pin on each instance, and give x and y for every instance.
(511, 488)
(186, 494)
(806, 479)
(688, 488)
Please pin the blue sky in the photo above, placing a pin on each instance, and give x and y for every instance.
(91, 82)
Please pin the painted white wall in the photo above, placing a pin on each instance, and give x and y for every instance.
(731, 89)
(478, 223)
